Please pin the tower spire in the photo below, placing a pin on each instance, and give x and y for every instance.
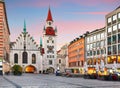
(24, 27)
(40, 42)
(49, 17)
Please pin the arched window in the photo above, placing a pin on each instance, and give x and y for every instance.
(15, 58)
(24, 57)
(33, 59)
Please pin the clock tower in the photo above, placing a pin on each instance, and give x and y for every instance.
(49, 44)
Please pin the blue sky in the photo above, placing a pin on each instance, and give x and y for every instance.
(72, 17)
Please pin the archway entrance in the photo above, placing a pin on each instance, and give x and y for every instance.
(30, 69)
(50, 70)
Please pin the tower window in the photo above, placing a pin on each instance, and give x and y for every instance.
(52, 41)
(33, 59)
(50, 62)
(15, 58)
(49, 23)
(47, 41)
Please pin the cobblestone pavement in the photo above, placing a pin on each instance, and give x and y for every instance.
(5, 84)
(52, 81)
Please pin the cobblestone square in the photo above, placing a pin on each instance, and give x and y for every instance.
(52, 81)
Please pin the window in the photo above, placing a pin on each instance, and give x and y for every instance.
(94, 45)
(88, 40)
(98, 44)
(109, 50)
(102, 51)
(118, 38)
(114, 39)
(88, 47)
(109, 40)
(102, 35)
(118, 15)
(109, 20)
(119, 27)
(91, 39)
(114, 49)
(90, 53)
(102, 43)
(59, 61)
(53, 56)
(24, 57)
(15, 58)
(50, 62)
(119, 49)
(33, 59)
(94, 37)
(114, 27)
(52, 41)
(114, 17)
(98, 52)
(94, 52)
(49, 23)
(109, 29)
(98, 37)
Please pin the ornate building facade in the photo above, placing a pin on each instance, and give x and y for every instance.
(26, 53)
(49, 44)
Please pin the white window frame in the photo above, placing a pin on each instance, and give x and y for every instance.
(94, 37)
(98, 36)
(88, 40)
(109, 29)
(119, 15)
(114, 17)
(114, 27)
(119, 26)
(109, 20)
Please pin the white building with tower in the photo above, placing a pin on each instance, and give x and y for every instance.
(49, 44)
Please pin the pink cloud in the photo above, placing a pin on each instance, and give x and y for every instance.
(67, 30)
(93, 13)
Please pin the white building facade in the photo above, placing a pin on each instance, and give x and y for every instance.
(113, 37)
(49, 44)
(95, 43)
(25, 52)
(62, 58)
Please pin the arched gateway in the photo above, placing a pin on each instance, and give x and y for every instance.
(30, 69)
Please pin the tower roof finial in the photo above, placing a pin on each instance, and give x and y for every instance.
(24, 26)
(49, 17)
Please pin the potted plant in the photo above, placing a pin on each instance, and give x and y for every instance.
(17, 70)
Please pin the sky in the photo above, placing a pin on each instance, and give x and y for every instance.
(71, 17)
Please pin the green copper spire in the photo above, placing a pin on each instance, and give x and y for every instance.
(24, 27)
(40, 41)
